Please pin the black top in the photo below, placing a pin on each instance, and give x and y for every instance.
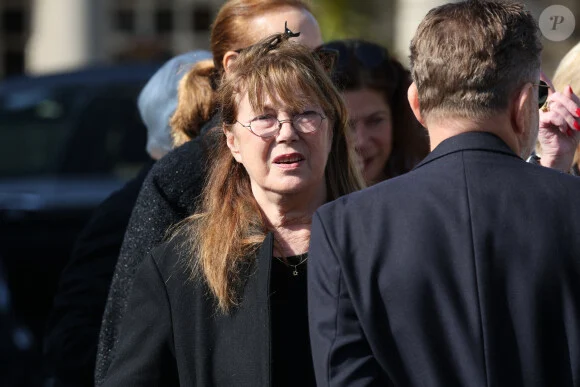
(172, 334)
(289, 314)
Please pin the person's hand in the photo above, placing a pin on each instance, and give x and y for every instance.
(559, 129)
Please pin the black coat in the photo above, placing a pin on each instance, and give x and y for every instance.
(173, 335)
(463, 272)
(70, 344)
(168, 195)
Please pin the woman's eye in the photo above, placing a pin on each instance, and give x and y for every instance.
(375, 121)
(263, 117)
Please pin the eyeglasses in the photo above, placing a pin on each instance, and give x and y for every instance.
(269, 126)
(543, 92)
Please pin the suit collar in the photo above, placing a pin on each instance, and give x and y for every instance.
(468, 141)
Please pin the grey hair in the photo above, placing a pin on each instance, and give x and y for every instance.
(468, 58)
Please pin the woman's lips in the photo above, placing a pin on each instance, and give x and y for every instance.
(289, 160)
(364, 162)
(367, 162)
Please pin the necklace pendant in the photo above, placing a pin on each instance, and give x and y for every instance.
(295, 272)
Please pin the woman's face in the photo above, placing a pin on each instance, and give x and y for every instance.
(290, 162)
(371, 123)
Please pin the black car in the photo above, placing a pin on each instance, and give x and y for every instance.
(66, 142)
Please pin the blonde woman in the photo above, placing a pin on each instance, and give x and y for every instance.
(567, 75)
(223, 303)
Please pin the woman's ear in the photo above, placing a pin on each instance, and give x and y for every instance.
(413, 97)
(232, 144)
(229, 58)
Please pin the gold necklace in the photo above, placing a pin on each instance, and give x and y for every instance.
(303, 258)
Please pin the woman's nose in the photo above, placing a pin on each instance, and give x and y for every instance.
(360, 138)
(287, 131)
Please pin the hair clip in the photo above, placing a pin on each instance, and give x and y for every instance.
(289, 34)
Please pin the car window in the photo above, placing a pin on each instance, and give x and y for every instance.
(34, 123)
(73, 130)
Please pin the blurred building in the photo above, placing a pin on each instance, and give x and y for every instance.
(409, 13)
(14, 22)
(39, 36)
(43, 36)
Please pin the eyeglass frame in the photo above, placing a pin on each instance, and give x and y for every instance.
(280, 123)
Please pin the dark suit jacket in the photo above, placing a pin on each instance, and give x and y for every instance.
(463, 272)
(172, 334)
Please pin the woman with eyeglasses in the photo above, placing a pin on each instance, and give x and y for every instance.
(389, 140)
(170, 190)
(223, 303)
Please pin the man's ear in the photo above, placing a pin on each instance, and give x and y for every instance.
(520, 111)
(232, 144)
(229, 58)
(413, 97)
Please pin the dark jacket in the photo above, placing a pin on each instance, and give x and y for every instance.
(172, 334)
(70, 345)
(168, 195)
(463, 272)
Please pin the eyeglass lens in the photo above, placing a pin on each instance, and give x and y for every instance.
(543, 92)
(267, 126)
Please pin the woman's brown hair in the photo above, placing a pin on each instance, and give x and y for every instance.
(230, 32)
(362, 65)
(229, 225)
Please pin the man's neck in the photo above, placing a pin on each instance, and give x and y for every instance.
(442, 128)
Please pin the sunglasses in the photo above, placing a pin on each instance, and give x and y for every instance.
(543, 92)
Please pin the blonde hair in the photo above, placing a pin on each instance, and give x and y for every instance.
(568, 73)
(230, 31)
(229, 225)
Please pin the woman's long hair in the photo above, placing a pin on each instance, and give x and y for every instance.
(229, 225)
(230, 31)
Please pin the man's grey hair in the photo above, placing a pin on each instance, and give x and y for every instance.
(468, 58)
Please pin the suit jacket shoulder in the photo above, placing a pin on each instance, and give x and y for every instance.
(451, 269)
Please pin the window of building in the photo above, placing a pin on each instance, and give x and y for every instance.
(163, 21)
(201, 18)
(125, 20)
(13, 21)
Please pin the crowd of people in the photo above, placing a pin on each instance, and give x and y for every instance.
(317, 214)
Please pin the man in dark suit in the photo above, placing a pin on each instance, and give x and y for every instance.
(466, 270)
